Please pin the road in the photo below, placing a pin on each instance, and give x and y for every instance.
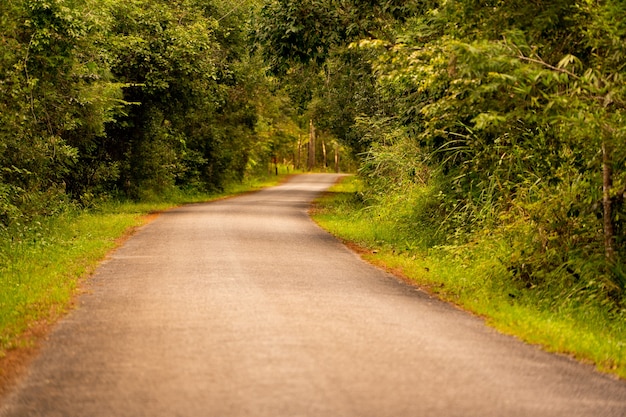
(244, 307)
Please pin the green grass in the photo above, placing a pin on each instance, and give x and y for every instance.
(43, 268)
(42, 264)
(472, 277)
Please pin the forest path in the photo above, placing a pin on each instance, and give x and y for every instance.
(244, 307)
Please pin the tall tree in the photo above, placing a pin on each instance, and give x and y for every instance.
(55, 99)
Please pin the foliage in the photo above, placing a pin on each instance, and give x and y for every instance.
(131, 98)
(305, 44)
(513, 124)
(53, 98)
(183, 83)
(510, 113)
(307, 31)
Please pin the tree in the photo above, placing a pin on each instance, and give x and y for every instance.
(193, 121)
(57, 99)
(521, 126)
(307, 45)
(513, 111)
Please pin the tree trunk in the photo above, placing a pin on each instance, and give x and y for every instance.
(337, 158)
(311, 163)
(324, 152)
(607, 185)
(299, 151)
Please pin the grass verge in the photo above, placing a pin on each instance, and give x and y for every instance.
(473, 278)
(43, 264)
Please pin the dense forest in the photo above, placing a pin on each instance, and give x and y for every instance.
(499, 121)
(127, 99)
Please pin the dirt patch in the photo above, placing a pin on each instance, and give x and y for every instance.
(15, 362)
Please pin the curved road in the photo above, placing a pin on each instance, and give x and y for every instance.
(244, 307)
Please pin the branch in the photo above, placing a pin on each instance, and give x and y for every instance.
(545, 64)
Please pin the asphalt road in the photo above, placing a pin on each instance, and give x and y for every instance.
(244, 307)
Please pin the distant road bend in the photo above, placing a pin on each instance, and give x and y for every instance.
(244, 307)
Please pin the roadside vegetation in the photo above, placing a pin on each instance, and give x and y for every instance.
(560, 318)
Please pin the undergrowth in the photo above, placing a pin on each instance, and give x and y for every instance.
(570, 317)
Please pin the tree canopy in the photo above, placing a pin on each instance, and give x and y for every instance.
(125, 98)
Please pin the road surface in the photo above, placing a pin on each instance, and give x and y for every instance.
(244, 307)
